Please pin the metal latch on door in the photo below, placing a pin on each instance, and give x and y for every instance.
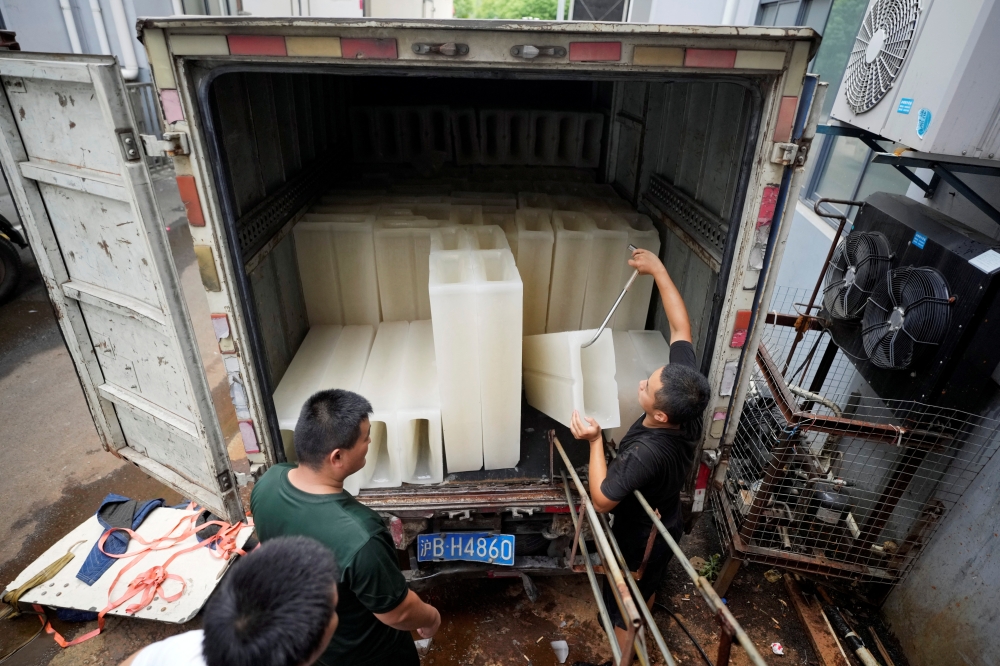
(171, 145)
(784, 153)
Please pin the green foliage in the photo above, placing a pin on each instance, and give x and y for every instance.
(506, 9)
(711, 568)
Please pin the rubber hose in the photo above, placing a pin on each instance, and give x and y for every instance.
(694, 640)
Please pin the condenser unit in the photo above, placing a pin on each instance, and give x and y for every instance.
(924, 73)
(927, 329)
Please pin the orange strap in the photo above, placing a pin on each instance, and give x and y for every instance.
(149, 584)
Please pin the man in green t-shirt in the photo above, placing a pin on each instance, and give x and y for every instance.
(377, 610)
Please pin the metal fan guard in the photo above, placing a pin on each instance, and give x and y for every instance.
(879, 51)
(910, 307)
(857, 266)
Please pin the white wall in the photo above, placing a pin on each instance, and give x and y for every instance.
(692, 12)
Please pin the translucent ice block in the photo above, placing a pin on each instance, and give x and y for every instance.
(466, 214)
(629, 371)
(634, 308)
(449, 238)
(534, 263)
(453, 293)
(302, 378)
(608, 258)
(336, 258)
(534, 200)
(487, 237)
(652, 350)
(330, 357)
(402, 247)
(574, 238)
(419, 417)
(505, 219)
(498, 317)
(380, 385)
(559, 376)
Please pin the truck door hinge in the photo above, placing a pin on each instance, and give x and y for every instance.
(171, 145)
(784, 153)
(225, 480)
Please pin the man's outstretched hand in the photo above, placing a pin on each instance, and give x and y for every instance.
(646, 262)
(588, 430)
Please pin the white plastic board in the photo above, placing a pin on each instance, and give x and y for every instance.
(200, 569)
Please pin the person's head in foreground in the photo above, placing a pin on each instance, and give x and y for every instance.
(332, 433)
(674, 395)
(277, 607)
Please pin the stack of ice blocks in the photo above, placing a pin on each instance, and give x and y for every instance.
(476, 310)
(538, 257)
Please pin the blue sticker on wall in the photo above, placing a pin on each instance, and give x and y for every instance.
(923, 122)
(919, 240)
(905, 105)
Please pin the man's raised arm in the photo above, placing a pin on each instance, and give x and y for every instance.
(673, 305)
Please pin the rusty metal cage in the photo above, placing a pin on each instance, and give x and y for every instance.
(826, 477)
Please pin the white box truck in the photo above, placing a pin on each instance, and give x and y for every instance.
(703, 129)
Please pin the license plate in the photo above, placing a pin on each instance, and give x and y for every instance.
(467, 546)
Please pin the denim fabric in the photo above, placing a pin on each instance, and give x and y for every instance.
(114, 511)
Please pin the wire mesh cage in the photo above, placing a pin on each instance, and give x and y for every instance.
(824, 476)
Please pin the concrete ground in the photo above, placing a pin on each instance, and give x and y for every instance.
(55, 473)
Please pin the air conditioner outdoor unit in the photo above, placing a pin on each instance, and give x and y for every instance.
(926, 74)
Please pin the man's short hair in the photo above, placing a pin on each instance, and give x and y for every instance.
(684, 394)
(329, 420)
(273, 608)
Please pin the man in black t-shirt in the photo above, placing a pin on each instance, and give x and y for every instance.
(656, 453)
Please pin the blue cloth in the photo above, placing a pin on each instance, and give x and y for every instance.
(115, 511)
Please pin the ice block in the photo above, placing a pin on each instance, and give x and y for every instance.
(380, 385)
(487, 237)
(574, 239)
(402, 247)
(652, 350)
(609, 257)
(336, 258)
(449, 238)
(504, 219)
(534, 263)
(466, 214)
(419, 417)
(629, 371)
(453, 293)
(347, 362)
(559, 376)
(634, 308)
(498, 318)
(302, 378)
(534, 200)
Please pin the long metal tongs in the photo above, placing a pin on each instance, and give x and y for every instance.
(635, 274)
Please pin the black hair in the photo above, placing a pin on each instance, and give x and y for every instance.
(273, 607)
(329, 420)
(684, 394)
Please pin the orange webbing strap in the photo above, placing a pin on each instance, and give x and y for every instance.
(149, 584)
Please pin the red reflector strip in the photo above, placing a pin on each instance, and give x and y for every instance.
(716, 58)
(172, 109)
(740, 329)
(786, 118)
(768, 203)
(189, 197)
(557, 509)
(700, 488)
(250, 444)
(369, 49)
(595, 51)
(256, 45)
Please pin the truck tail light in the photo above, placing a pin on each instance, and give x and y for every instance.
(595, 51)
(369, 49)
(740, 329)
(250, 444)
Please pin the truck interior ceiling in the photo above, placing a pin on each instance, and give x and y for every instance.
(670, 156)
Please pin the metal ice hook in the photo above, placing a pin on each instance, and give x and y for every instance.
(635, 274)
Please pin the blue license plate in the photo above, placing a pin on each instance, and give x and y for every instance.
(467, 546)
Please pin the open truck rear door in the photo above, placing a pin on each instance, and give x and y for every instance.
(72, 156)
